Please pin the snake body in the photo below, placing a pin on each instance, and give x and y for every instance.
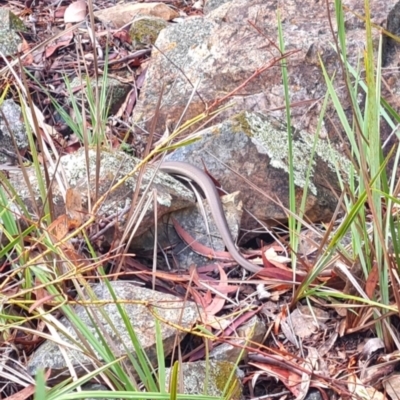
(207, 186)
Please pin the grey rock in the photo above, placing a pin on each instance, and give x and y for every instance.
(95, 387)
(313, 394)
(12, 129)
(248, 334)
(211, 5)
(137, 302)
(185, 40)
(10, 25)
(114, 167)
(255, 147)
(222, 50)
(389, 44)
(210, 378)
(9, 21)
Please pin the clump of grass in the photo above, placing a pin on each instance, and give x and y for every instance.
(370, 195)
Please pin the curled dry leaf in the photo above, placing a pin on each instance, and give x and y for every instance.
(73, 217)
(198, 247)
(59, 227)
(24, 48)
(274, 258)
(73, 207)
(371, 347)
(41, 301)
(30, 389)
(262, 293)
(62, 41)
(288, 377)
(392, 385)
(218, 301)
(75, 12)
(361, 391)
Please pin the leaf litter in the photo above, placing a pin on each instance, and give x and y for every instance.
(311, 345)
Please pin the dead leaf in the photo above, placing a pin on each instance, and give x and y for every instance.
(361, 391)
(371, 347)
(50, 50)
(123, 36)
(218, 301)
(26, 392)
(24, 48)
(372, 281)
(62, 41)
(310, 365)
(392, 385)
(59, 227)
(198, 247)
(305, 321)
(209, 282)
(198, 5)
(274, 258)
(40, 302)
(281, 316)
(75, 12)
(73, 208)
(59, 12)
(290, 379)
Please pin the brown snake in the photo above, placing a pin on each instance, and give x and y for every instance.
(207, 186)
